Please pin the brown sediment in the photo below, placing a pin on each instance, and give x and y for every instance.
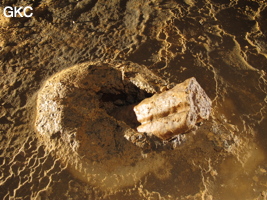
(222, 43)
(73, 118)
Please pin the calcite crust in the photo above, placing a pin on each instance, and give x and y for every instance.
(174, 111)
(75, 120)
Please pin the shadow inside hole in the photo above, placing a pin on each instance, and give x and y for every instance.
(120, 105)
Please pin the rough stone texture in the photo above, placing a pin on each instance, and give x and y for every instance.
(222, 43)
(174, 111)
(76, 107)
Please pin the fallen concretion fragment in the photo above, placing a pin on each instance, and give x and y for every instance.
(82, 115)
(174, 111)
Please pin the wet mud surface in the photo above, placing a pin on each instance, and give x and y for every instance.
(222, 43)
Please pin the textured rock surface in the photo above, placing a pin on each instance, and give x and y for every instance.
(174, 111)
(222, 43)
(75, 109)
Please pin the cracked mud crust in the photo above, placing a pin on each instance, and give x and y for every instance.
(222, 43)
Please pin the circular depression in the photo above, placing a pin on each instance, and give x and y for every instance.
(82, 114)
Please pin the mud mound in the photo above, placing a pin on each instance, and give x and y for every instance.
(75, 110)
(222, 43)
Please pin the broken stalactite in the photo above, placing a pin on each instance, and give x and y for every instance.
(174, 111)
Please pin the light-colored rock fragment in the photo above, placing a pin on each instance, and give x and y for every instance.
(174, 111)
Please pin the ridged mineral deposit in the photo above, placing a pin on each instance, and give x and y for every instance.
(174, 111)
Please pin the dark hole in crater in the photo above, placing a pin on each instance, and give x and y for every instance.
(120, 104)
